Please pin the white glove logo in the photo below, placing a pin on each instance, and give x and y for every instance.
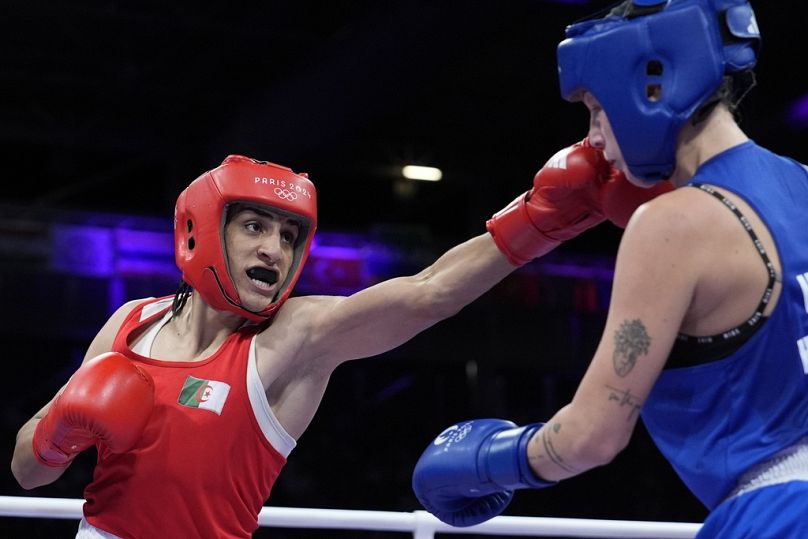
(753, 26)
(559, 160)
(453, 434)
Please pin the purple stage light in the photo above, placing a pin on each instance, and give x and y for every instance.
(338, 264)
(82, 250)
(797, 114)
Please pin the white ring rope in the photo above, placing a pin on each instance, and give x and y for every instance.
(420, 523)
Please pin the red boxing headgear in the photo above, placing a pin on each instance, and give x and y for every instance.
(200, 216)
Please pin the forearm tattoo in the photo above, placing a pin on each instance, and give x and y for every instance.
(550, 451)
(630, 342)
(624, 398)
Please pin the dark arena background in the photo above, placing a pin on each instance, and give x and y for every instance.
(110, 108)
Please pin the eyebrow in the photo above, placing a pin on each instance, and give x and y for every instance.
(275, 216)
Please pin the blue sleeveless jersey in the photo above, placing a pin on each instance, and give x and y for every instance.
(715, 420)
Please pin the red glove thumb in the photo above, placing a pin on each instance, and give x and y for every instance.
(619, 198)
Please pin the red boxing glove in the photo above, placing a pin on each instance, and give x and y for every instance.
(109, 399)
(576, 190)
(620, 198)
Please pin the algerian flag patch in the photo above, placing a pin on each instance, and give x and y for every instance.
(204, 394)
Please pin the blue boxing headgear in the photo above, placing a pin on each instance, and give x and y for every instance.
(652, 64)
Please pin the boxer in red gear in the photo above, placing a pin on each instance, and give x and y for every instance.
(237, 361)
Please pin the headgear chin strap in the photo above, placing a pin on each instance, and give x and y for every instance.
(653, 65)
(199, 220)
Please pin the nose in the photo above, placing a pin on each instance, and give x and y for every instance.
(270, 247)
(595, 134)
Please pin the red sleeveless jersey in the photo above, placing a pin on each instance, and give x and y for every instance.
(203, 467)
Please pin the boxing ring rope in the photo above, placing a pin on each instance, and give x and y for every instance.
(420, 524)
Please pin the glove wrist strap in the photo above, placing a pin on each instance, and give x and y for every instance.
(506, 459)
(516, 235)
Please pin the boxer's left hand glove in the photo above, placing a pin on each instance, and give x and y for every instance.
(469, 472)
(108, 399)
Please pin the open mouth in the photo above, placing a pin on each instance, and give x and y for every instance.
(263, 277)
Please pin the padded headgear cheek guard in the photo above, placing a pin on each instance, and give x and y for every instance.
(652, 72)
(200, 215)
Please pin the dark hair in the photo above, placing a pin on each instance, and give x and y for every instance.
(180, 298)
(731, 92)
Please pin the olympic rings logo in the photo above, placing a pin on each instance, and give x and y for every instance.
(285, 194)
(453, 434)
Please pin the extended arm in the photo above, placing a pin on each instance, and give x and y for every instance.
(574, 191)
(388, 314)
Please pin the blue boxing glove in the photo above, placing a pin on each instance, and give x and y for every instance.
(469, 472)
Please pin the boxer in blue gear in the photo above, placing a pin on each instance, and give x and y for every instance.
(706, 337)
